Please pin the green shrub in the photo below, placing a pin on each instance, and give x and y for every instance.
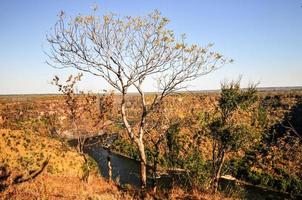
(282, 181)
(125, 147)
(200, 170)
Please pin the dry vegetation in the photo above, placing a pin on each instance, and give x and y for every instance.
(31, 126)
(23, 152)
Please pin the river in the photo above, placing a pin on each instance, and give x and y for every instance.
(126, 171)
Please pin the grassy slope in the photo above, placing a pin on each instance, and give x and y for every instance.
(22, 152)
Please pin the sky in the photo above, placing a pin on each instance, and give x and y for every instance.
(264, 37)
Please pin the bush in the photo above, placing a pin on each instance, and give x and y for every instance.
(282, 181)
(200, 170)
(125, 147)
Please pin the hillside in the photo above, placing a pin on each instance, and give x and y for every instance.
(61, 170)
(61, 173)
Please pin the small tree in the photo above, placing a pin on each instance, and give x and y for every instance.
(86, 114)
(127, 51)
(157, 125)
(229, 133)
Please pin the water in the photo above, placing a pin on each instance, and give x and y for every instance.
(124, 170)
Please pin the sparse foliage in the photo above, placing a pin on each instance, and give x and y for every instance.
(127, 51)
(86, 114)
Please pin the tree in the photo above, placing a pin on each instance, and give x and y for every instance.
(127, 51)
(85, 114)
(156, 128)
(229, 133)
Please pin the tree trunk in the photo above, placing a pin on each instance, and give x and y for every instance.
(137, 139)
(155, 173)
(109, 165)
(81, 143)
(143, 163)
(218, 172)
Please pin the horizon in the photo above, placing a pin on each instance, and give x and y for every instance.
(264, 39)
(260, 89)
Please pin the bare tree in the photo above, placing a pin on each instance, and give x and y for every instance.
(125, 51)
(86, 114)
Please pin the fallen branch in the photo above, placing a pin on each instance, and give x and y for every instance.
(32, 174)
(291, 127)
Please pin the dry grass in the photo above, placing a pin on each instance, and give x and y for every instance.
(62, 178)
(23, 152)
(177, 193)
(59, 187)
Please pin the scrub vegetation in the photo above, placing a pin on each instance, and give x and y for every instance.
(217, 145)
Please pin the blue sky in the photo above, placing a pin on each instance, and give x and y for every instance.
(264, 37)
